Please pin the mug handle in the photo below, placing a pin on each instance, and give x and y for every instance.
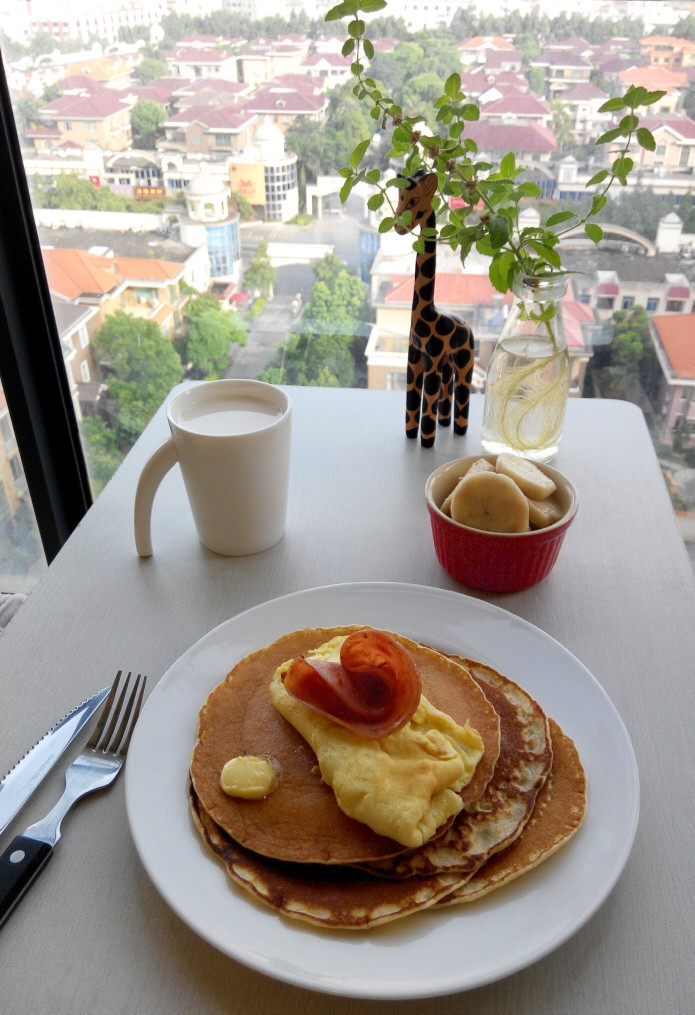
(151, 476)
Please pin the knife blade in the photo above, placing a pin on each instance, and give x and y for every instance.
(21, 781)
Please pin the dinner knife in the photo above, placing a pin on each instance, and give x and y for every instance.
(21, 781)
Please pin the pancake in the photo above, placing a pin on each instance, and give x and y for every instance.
(493, 822)
(300, 820)
(325, 895)
(559, 812)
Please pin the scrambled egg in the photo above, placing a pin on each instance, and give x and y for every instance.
(403, 786)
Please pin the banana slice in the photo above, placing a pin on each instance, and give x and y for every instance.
(527, 476)
(542, 513)
(490, 501)
(479, 465)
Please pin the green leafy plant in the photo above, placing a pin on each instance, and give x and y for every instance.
(488, 198)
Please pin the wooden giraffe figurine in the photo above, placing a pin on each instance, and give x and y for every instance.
(441, 346)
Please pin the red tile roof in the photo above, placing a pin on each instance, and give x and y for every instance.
(519, 104)
(676, 333)
(75, 273)
(683, 126)
(514, 137)
(99, 105)
(608, 289)
(678, 292)
(213, 117)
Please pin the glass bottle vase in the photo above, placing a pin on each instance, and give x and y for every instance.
(528, 378)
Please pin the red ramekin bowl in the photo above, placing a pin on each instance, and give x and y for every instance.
(491, 561)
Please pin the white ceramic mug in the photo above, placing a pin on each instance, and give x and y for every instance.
(231, 439)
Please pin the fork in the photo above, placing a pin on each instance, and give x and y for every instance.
(95, 768)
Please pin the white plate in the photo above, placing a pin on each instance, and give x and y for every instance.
(431, 953)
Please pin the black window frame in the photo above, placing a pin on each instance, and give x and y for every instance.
(32, 368)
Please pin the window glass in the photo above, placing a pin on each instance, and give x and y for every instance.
(22, 560)
(186, 191)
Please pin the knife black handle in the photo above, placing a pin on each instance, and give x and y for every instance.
(21, 862)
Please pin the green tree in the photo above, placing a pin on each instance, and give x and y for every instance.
(146, 118)
(562, 123)
(101, 451)
(140, 367)
(331, 332)
(260, 274)
(149, 69)
(536, 80)
(211, 331)
(627, 367)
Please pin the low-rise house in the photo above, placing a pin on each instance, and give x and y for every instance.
(518, 108)
(203, 130)
(262, 61)
(669, 51)
(531, 143)
(657, 79)
(474, 51)
(675, 144)
(209, 92)
(71, 321)
(583, 103)
(142, 287)
(502, 61)
(564, 68)
(101, 118)
(289, 99)
(331, 69)
(202, 62)
(672, 335)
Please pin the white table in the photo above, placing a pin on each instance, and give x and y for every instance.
(94, 936)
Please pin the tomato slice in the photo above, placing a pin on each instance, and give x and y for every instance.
(373, 690)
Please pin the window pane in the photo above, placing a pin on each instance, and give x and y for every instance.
(22, 560)
(186, 195)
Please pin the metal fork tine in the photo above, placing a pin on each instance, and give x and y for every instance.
(104, 714)
(103, 744)
(122, 739)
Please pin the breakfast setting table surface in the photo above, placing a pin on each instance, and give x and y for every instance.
(129, 917)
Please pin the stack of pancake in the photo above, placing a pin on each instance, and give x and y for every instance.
(296, 851)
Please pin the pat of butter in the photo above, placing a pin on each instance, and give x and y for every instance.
(403, 786)
(248, 777)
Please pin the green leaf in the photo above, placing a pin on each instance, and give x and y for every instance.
(622, 166)
(609, 136)
(645, 139)
(498, 231)
(628, 124)
(341, 11)
(499, 270)
(356, 28)
(370, 6)
(546, 253)
(560, 216)
(593, 232)
(452, 86)
(373, 176)
(508, 164)
(386, 224)
(358, 153)
(635, 96)
(348, 47)
(652, 97)
(529, 190)
(612, 106)
(470, 112)
(599, 177)
(375, 201)
(368, 47)
(598, 203)
(346, 188)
